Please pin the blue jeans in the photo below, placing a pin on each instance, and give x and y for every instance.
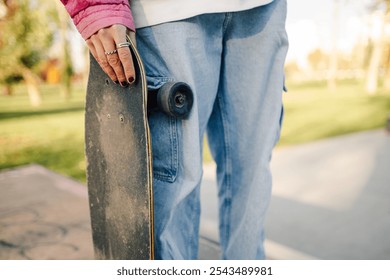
(234, 64)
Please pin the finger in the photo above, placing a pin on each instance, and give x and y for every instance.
(131, 34)
(119, 34)
(102, 59)
(127, 63)
(92, 49)
(124, 53)
(113, 59)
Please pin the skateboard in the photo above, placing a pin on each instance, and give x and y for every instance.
(119, 159)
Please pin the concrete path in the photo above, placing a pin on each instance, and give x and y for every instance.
(331, 201)
(43, 215)
(332, 198)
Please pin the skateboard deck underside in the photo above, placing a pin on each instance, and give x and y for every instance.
(119, 174)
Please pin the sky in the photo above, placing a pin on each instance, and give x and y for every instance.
(310, 24)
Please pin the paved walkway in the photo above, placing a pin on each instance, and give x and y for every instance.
(331, 201)
(43, 215)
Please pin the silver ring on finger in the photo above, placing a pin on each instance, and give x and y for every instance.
(122, 45)
(111, 52)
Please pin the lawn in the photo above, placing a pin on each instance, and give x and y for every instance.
(312, 112)
(52, 135)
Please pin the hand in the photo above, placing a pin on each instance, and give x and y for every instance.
(116, 62)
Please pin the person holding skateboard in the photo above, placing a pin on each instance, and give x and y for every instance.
(232, 54)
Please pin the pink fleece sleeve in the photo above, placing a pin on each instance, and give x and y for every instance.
(92, 15)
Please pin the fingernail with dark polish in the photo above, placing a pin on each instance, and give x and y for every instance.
(116, 82)
(124, 84)
(131, 80)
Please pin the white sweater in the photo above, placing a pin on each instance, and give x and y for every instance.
(152, 12)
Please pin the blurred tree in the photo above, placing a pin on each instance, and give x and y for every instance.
(318, 60)
(64, 24)
(332, 75)
(291, 68)
(386, 82)
(24, 42)
(381, 10)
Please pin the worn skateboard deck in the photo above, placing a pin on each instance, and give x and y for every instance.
(119, 170)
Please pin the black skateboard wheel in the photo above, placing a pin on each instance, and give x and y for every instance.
(175, 99)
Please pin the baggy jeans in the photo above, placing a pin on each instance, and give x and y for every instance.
(234, 64)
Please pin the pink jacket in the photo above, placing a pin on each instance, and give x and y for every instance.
(91, 15)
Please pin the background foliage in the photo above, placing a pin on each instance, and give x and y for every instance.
(339, 93)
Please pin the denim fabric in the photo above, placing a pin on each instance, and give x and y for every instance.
(234, 64)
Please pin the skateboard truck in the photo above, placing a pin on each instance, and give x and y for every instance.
(173, 98)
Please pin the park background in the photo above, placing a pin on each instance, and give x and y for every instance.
(337, 76)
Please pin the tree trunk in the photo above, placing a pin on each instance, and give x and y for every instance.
(66, 62)
(333, 63)
(373, 69)
(386, 83)
(375, 61)
(66, 68)
(8, 90)
(32, 87)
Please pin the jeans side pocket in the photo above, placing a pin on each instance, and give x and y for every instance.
(278, 132)
(164, 134)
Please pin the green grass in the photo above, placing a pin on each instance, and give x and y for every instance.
(312, 112)
(52, 135)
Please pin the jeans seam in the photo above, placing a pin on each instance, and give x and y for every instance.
(174, 144)
(228, 17)
(227, 200)
(191, 236)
